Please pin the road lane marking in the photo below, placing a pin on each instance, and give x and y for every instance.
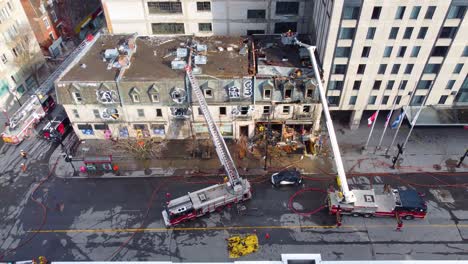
(221, 228)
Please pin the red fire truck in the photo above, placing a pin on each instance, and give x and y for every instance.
(22, 124)
(404, 203)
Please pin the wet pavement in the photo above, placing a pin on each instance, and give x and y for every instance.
(92, 219)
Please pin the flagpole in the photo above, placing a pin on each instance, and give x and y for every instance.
(417, 115)
(375, 119)
(388, 120)
(401, 121)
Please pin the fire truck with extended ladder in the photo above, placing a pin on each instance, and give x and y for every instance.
(215, 197)
(405, 203)
(23, 122)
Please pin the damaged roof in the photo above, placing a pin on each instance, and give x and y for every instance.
(153, 56)
(276, 59)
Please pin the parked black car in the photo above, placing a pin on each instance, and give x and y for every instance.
(287, 177)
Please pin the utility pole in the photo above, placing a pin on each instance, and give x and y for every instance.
(462, 158)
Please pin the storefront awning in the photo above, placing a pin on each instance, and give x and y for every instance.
(438, 115)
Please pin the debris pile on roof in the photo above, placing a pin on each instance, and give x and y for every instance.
(119, 57)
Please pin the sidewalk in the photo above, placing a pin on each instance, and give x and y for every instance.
(428, 150)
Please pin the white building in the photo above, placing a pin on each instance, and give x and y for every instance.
(374, 52)
(205, 18)
(19, 50)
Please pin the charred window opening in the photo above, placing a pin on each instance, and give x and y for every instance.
(287, 93)
(178, 95)
(244, 110)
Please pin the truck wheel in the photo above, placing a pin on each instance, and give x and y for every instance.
(367, 215)
(408, 217)
(355, 215)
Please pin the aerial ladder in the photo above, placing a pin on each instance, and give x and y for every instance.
(215, 197)
(404, 203)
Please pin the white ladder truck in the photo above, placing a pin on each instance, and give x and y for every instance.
(215, 197)
(407, 204)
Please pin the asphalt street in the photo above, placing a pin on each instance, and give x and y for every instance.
(109, 219)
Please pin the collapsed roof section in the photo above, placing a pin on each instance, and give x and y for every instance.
(277, 59)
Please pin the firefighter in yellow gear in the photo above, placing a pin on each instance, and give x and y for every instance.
(42, 260)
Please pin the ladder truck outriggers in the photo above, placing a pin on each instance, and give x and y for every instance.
(215, 197)
(405, 203)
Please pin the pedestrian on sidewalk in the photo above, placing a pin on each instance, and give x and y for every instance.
(23, 154)
(23, 167)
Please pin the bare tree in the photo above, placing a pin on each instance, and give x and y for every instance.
(142, 149)
(27, 53)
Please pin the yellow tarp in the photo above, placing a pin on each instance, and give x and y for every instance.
(239, 246)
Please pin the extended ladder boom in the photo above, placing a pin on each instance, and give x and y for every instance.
(218, 140)
(348, 195)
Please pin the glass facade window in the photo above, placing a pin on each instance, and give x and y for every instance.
(458, 68)
(415, 12)
(372, 100)
(424, 84)
(395, 68)
(456, 12)
(393, 33)
(365, 52)
(432, 68)
(400, 12)
(385, 99)
(376, 12)
(422, 32)
(409, 68)
(370, 33)
(388, 51)
(347, 33)
(377, 84)
(382, 69)
(343, 52)
(335, 85)
(350, 12)
(390, 85)
(408, 33)
(440, 51)
(415, 51)
(450, 84)
(352, 100)
(361, 69)
(339, 69)
(448, 32)
(430, 12)
(357, 85)
(403, 84)
(442, 99)
(401, 51)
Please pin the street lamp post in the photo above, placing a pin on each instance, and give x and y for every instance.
(462, 158)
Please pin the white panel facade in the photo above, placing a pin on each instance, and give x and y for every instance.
(364, 56)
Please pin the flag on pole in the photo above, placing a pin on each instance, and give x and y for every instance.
(387, 119)
(371, 119)
(397, 120)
